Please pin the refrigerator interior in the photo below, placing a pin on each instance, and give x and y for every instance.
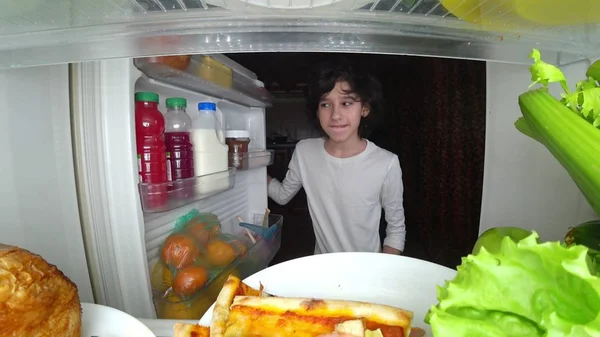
(102, 188)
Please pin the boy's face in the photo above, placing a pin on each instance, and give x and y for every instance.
(340, 112)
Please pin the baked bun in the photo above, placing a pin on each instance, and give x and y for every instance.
(36, 299)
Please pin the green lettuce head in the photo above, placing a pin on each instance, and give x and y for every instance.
(525, 289)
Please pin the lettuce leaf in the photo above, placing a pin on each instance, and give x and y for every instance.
(526, 289)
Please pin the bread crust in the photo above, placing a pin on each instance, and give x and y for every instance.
(36, 298)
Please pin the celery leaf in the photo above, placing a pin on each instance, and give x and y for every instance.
(572, 101)
(591, 98)
(545, 73)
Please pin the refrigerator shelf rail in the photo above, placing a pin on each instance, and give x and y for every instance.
(36, 32)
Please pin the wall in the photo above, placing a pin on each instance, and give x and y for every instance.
(523, 184)
(38, 199)
(287, 117)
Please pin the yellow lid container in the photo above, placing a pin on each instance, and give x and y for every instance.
(215, 72)
(508, 14)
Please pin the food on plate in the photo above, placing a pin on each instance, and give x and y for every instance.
(588, 235)
(568, 127)
(241, 310)
(491, 238)
(220, 253)
(355, 327)
(190, 330)
(179, 251)
(189, 280)
(36, 298)
(525, 289)
(268, 316)
(233, 287)
(180, 62)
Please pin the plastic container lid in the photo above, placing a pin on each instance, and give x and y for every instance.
(146, 96)
(237, 134)
(207, 106)
(176, 102)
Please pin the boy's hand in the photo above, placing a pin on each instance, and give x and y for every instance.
(268, 179)
(390, 250)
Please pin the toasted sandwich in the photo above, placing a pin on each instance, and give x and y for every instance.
(241, 310)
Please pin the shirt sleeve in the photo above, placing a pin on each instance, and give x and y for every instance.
(391, 199)
(283, 192)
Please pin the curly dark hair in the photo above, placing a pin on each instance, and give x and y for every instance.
(362, 84)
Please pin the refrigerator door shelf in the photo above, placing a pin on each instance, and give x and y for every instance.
(171, 195)
(209, 78)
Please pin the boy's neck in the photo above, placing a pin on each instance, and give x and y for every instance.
(346, 149)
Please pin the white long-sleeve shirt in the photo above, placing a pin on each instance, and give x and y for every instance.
(345, 196)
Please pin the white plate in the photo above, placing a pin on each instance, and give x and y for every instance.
(102, 321)
(398, 281)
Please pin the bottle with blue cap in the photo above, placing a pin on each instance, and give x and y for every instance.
(207, 136)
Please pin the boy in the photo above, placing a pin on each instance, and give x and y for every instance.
(347, 178)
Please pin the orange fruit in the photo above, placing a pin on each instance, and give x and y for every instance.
(219, 253)
(179, 251)
(189, 280)
(202, 232)
(239, 246)
(198, 230)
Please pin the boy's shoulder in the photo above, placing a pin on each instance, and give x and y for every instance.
(309, 144)
(381, 153)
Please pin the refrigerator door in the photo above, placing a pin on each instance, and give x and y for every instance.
(112, 219)
(38, 197)
(122, 241)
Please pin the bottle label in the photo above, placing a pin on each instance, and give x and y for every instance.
(139, 162)
(169, 176)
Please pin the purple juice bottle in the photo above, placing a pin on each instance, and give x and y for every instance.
(180, 153)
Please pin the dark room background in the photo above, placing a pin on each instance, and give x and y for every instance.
(434, 121)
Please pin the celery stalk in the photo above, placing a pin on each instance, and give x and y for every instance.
(524, 128)
(573, 141)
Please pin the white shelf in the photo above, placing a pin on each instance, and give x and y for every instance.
(36, 32)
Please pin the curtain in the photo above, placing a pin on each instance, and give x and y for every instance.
(435, 123)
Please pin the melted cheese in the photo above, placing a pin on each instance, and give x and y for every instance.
(253, 322)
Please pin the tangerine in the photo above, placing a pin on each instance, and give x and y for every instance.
(202, 232)
(179, 251)
(219, 253)
(189, 280)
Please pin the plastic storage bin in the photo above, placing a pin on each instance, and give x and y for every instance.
(211, 70)
(257, 258)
